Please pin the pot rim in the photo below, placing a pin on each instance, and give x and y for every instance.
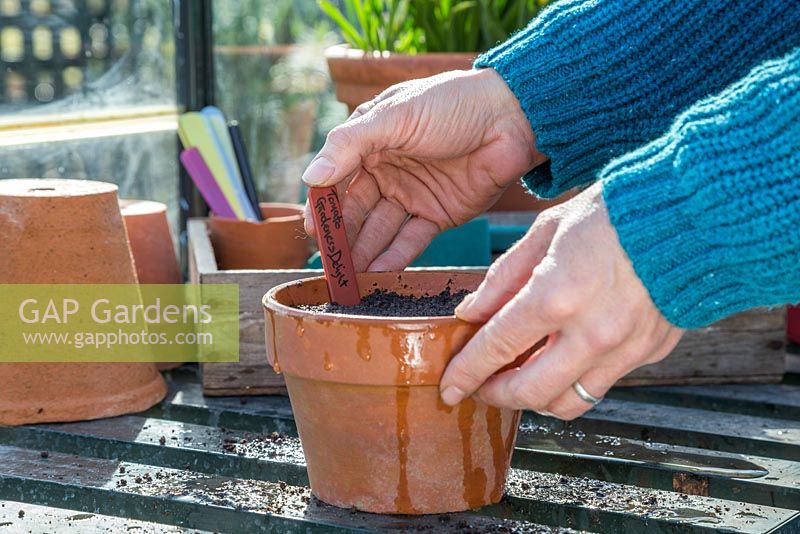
(272, 304)
(44, 188)
(345, 51)
(134, 207)
(280, 219)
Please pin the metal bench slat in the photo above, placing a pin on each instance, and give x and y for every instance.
(213, 502)
(763, 400)
(23, 517)
(249, 455)
(743, 434)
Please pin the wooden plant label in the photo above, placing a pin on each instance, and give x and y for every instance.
(337, 263)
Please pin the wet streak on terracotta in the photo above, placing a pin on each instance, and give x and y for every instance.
(276, 366)
(494, 427)
(400, 354)
(298, 329)
(326, 358)
(363, 342)
(403, 499)
(474, 477)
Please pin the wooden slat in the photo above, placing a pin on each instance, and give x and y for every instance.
(196, 500)
(747, 347)
(768, 400)
(25, 517)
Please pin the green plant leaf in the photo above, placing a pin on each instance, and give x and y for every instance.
(415, 26)
(349, 32)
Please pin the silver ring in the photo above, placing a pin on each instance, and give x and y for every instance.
(585, 395)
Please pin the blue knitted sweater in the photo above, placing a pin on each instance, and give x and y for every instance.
(689, 112)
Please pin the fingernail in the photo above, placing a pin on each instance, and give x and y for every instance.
(452, 395)
(464, 305)
(319, 171)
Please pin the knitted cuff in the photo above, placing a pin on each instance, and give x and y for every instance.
(596, 80)
(656, 228)
(708, 213)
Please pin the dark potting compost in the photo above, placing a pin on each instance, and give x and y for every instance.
(382, 303)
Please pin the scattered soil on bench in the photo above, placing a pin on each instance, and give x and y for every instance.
(382, 303)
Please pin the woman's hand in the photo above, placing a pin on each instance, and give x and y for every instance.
(568, 279)
(422, 157)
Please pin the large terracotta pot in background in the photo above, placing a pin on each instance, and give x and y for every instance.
(68, 232)
(277, 242)
(365, 396)
(359, 76)
(151, 246)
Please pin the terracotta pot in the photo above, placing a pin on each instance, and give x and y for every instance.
(150, 241)
(365, 396)
(517, 198)
(360, 76)
(68, 232)
(151, 246)
(277, 242)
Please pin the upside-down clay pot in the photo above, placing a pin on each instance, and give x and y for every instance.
(277, 242)
(365, 396)
(150, 241)
(68, 232)
(151, 246)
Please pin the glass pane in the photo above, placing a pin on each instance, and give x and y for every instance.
(87, 90)
(271, 76)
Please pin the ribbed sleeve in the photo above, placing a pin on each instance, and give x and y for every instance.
(709, 213)
(598, 78)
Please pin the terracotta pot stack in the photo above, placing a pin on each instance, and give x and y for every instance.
(151, 247)
(150, 241)
(68, 232)
(365, 396)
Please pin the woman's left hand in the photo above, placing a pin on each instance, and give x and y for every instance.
(568, 279)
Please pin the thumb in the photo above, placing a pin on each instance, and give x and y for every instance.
(345, 148)
(509, 273)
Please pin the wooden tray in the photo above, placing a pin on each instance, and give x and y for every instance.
(745, 348)
(252, 374)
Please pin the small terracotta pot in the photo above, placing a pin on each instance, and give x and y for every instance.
(365, 396)
(277, 242)
(151, 246)
(68, 232)
(150, 241)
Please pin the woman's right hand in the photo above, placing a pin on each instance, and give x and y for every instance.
(421, 157)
